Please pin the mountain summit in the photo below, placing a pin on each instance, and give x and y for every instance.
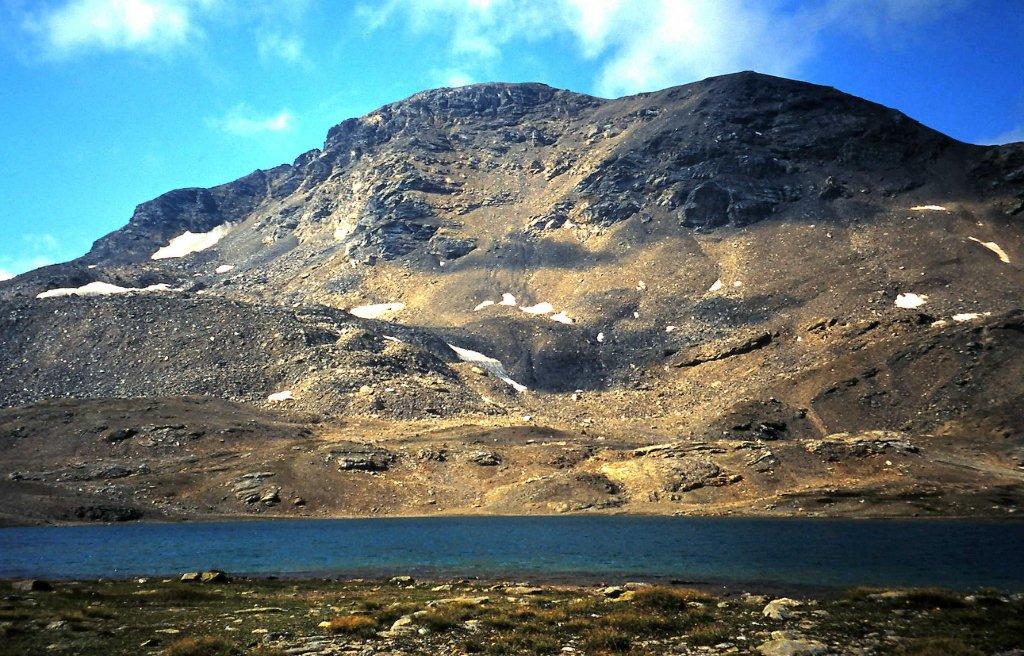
(697, 299)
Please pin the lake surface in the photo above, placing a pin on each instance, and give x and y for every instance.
(958, 554)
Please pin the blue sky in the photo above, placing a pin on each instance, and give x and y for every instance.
(108, 103)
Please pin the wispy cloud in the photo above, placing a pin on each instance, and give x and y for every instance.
(273, 46)
(78, 26)
(30, 251)
(1012, 135)
(647, 44)
(452, 77)
(243, 121)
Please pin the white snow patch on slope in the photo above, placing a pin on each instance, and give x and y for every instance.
(928, 208)
(191, 242)
(715, 287)
(278, 397)
(600, 337)
(376, 310)
(507, 299)
(224, 268)
(483, 305)
(909, 301)
(487, 364)
(101, 289)
(561, 317)
(969, 316)
(994, 247)
(539, 308)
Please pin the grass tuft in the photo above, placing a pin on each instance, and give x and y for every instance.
(936, 647)
(361, 625)
(607, 641)
(201, 646)
(665, 598)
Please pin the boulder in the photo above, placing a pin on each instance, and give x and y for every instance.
(213, 576)
(707, 206)
(32, 585)
(782, 645)
(523, 590)
(270, 496)
(486, 458)
(115, 435)
(190, 577)
(781, 609)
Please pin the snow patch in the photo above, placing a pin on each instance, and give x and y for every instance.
(994, 247)
(278, 397)
(393, 339)
(928, 208)
(507, 299)
(600, 337)
(539, 308)
(561, 317)
(670, 329)
(969, 316)
(101, 289)
(224, 268)
(483, 305)
(191, 242)
(715, 287)
(376, 310)
(490, 365)
(909, 301)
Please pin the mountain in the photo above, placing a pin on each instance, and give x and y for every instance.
(746, 294)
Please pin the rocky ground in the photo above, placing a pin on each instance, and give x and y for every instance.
(116, 459)
(403, 616)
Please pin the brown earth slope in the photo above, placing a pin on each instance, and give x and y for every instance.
(812, 299)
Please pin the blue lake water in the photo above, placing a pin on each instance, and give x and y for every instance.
(958, 554)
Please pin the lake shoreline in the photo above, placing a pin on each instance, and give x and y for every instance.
(213, 519)
(404, 614)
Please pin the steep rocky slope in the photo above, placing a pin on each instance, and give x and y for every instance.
(747, 258)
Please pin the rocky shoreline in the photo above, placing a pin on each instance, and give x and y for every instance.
(214, 614)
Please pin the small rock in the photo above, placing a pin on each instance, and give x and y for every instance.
(190, 577)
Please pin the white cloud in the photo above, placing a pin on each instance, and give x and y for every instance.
(452, 77)
(1010, 136)
(243, 121)
(5, 275)
(116, 25)
(289, 49)
(649, 44)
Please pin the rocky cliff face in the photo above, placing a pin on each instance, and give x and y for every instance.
(745, 256)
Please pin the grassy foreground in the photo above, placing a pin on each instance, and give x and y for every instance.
(274, 618)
